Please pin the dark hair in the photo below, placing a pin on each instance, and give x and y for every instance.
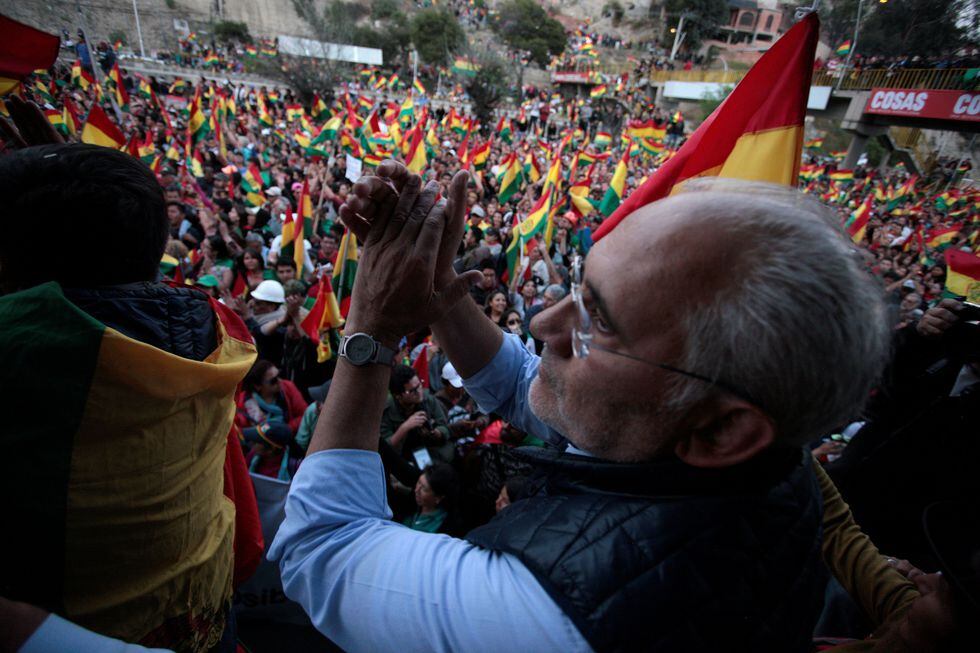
(256, 375)
(444, 482)
(88, 199)
(477, 232)
(504, 317)
(219, 246)
(400, 375)
(281, 261)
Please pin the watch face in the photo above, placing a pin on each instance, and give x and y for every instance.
(360, 348)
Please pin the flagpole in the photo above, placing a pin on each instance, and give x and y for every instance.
(139, 30)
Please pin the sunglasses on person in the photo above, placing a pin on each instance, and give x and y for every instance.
(274, 380)
(514, 322)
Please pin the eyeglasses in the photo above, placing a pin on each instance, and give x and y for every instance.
(583, 340)
(413, 389)
(513, 322)
(274, 380)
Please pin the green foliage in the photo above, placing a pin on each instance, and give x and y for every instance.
(613, 9)
(911, 27)
(487, 87)
(117, 35)
(524, 25)
(713, 100)
(437, 35)
(837, 21)
(171, 4)
(229, 30)
(704, 17)
(384, 9)
(393, 40)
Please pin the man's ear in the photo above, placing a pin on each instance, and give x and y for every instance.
(728, 432)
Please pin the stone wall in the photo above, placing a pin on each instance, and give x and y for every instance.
(102, 17)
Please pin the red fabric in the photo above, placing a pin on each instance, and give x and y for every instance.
(24, 49)
(421, 367)
(233, 324)
(295, 404)
(773, 94)
(248, 545)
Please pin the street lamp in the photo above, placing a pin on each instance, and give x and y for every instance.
(678, 33)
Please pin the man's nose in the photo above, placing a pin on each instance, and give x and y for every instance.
(553, 326)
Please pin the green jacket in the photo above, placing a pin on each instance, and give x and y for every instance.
(393, 417)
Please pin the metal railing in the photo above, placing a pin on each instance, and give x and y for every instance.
(926, 78)
(716, 76)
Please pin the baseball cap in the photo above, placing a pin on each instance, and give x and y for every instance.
(451, 376)
(208, 281)
(270, 291)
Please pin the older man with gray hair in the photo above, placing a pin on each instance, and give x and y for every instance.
(710, 336)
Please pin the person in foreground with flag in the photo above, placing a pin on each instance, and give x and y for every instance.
(118, 392)
(681, 418)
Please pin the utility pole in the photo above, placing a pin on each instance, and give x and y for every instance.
(139, 30)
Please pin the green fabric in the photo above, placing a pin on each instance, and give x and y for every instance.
(306, 426)
(49, 350)
(269, 275)
(430, 523)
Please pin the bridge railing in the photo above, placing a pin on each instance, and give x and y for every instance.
(925, 78)
(716, 76)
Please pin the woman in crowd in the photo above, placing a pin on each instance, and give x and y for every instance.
(496, 305)
(526, 298)
(253, 269)
(512, 322)
(266, 399)
(435, 495)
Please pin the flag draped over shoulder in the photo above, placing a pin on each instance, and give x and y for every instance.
(95, 465)
(756, 133)
(23, 50)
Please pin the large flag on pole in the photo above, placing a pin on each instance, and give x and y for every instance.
(23, 50)
(756, 133)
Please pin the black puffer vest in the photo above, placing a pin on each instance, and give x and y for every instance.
(665, 557)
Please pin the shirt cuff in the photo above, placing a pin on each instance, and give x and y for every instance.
(57, 634)
(494, 385)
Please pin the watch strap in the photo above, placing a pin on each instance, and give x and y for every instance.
(382, 355)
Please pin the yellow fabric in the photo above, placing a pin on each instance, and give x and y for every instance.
(95, 136)
(148, 530)
(883, 593)
(764, 156)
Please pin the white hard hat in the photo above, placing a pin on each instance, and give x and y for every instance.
(269, 291)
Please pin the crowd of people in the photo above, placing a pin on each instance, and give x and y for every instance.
(254, 181)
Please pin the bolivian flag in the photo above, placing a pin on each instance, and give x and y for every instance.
(416, 159)
(602, 140)
(465, 67)
(962, 276)
(57, 120)
(842, 175)
(511, 178)
(756, 133)
(99, 130)
(70, 117)
(319, 111)
(23, 50)
(617, 186)
(417, 86)
(843, 49)
(943, 237)
(345, 270)
(324, 315)
(857, 224)
(121, 486)
(534, 225)
(597, 91)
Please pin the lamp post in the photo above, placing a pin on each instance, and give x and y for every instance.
(679, 33)
(139, 31)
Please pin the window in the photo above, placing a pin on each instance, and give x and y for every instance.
(747, 19)
(769, 23)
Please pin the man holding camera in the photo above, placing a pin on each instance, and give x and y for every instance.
(414, 422)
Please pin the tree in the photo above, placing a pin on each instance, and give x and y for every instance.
(837, 21)
(912, 27)
(487, 87)
(524, 25)
(384, 9)
(713, 99)
(702, 19)
(437, 35)
(229, 30)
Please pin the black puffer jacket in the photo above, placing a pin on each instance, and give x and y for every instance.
(665, 557)
(176, 320)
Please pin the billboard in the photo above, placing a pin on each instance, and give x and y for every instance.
(925, 103)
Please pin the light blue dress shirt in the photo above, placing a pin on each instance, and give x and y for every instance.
(56, 635)
(373, 585)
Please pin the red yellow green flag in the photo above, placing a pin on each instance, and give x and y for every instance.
(99, 130)
(345, 270)
(324, 315)
(614, 194)
(416, 159)
(857, 224)
(962, 276)
(943, 237)
(756, 133)
(23, 50)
